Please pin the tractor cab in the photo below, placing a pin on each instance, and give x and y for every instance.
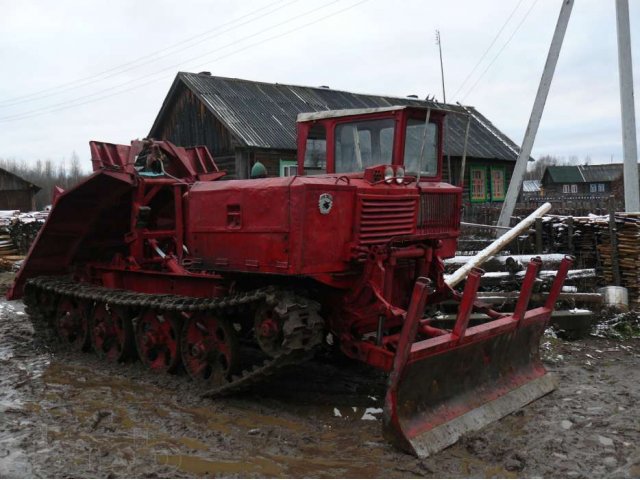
(392, 144)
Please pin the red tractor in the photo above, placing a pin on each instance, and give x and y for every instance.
(153, 256)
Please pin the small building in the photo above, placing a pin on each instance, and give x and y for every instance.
(584, 188)
(16, 193)
(581, 179)
(242, 122)
(531, 187)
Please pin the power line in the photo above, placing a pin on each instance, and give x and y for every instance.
(19, 116)
(73, 103)
(500, 51)
(147, 58)
(487, 50)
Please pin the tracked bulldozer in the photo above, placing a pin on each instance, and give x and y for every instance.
(155, 257)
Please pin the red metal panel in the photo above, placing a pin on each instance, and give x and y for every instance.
(240, 224)
(75, 216)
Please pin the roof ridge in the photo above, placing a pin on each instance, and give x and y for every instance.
(324, 89)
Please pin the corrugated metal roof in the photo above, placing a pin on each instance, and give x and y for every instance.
(531, 186)
(263, 115)
(601, 173)
(565, 174)
(585, 173)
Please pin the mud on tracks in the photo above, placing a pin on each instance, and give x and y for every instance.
(67, 414)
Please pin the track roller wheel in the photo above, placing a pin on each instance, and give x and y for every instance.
(158, 340)
(72, 323)
(111, 332)
(209, 348)
(268, 330)
(47, 304)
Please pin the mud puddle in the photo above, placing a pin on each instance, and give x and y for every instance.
(70, 415)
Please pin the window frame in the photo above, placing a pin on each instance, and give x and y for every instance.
(284, 164)
(393, 126)
(502, 169)
(478, 168)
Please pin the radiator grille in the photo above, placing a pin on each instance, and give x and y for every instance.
(439, 212)
(382, 218)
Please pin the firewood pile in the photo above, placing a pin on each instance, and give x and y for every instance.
(627, 231)
(585, 241)
(17, 233)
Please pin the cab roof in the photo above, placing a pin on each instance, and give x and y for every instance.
(306, 117)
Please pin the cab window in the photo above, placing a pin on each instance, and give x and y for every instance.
(359, 145)
(315, 157)
(421, 148)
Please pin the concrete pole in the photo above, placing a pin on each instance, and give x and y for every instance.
(536, 114)
(629, 142)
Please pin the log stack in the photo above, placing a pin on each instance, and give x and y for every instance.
(17, 233)
(628, 234)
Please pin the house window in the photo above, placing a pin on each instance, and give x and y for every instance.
(288, 168)
(497, 184)
(593, 187)
(478, 185)
(601, 187)
(574, 188)
(566, 188)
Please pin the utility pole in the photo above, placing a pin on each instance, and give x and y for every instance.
(439, 43)
(629, 142)
(536, 115)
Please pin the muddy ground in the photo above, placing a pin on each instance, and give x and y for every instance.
(68, 415)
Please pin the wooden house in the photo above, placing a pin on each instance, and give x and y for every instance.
(243, 121)
(16, 193)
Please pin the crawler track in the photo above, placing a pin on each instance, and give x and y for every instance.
(303, 328)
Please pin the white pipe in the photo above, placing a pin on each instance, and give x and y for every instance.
(488, 252)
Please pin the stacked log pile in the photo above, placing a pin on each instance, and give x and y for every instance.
(585, 242)
(628, 236)
(24, 228)
(17, 233)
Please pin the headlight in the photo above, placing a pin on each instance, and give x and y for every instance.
(388, 174)
(399, 175)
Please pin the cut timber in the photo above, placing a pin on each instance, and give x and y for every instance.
(496, 246)
(505, 297)
(543, 275)
(548, 260)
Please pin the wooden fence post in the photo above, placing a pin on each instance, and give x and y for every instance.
(538, 235)
(615, 264)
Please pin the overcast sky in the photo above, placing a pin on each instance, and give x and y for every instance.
(74, 71)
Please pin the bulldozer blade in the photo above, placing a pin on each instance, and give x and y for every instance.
(449, 394)
(453, 384)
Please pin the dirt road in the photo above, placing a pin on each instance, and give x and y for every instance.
(69, 415)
